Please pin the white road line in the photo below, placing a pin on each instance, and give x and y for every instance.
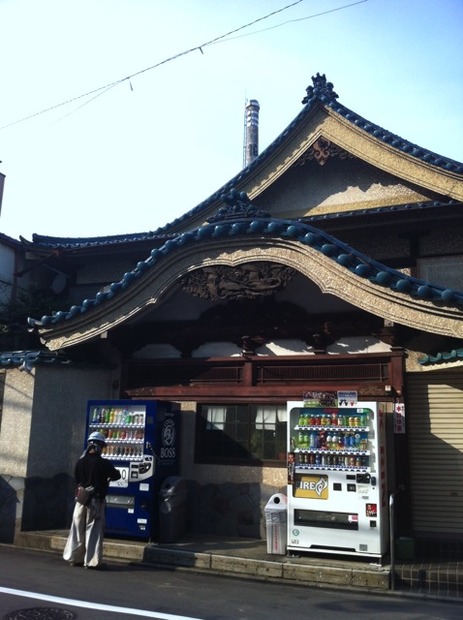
(96, 606)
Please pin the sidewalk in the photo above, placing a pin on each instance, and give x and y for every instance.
(248, 558)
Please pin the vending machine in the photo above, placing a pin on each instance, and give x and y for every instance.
(142, 441)
(337, 487)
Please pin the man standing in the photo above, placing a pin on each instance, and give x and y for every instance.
(84, 546)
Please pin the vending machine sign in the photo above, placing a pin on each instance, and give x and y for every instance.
(319, 399)
(311, 486)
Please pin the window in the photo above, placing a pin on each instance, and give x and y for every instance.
(444, 271)
(240, 433)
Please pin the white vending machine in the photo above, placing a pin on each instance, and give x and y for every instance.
(337, 487)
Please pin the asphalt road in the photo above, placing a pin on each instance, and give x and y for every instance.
(41, 586)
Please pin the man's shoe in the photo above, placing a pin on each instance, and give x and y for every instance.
(76, 563)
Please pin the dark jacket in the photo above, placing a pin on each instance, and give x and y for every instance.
(93, 470)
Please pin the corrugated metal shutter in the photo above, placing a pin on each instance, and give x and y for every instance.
(434, 410)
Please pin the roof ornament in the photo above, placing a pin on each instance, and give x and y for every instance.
(237, 206)
(321, 88)
(249, 281)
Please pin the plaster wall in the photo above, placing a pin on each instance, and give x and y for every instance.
(338, 185)
(58, 426)
(41, 436)
(16, 422)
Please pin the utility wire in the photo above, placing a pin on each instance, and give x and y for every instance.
(291, 21)
(220, 39)
(162, 62)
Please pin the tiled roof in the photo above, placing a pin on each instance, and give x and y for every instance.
(322, 93)
(357, 263)
(25, 360)
(411, 206)
(441, 357)
(66, 243)
(9, 241)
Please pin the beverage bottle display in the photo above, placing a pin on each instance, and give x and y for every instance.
(123, 429)
(329, 431)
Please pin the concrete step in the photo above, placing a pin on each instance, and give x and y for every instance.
(240, 560)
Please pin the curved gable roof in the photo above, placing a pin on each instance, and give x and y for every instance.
(325, 116)
(353, 276)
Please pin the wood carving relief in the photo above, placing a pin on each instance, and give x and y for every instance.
(249, 281)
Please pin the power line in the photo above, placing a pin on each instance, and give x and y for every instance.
(220, 39)
(299, 19)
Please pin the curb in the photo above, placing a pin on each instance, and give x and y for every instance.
(284, 570)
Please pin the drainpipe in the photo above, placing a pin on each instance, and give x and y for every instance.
(392, 532)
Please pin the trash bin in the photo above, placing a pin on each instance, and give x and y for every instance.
(275, 521)
(172, 509)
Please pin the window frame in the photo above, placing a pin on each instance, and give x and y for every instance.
(260, 420)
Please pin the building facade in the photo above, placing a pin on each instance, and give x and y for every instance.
(331, 262)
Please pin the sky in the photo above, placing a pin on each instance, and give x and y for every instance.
(82, 160)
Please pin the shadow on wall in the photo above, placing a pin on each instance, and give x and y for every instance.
(48, 503)
(8, 508)
(228, 509)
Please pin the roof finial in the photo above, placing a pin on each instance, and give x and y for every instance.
(320, 87)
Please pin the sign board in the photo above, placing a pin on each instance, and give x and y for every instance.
(347, 398)
(399, 418)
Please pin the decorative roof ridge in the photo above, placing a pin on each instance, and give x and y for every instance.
(323, 91)
(442, 357)
(356, 262)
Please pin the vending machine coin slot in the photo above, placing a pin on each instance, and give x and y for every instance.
(363, 478)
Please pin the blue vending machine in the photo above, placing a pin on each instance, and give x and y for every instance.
(142, 441)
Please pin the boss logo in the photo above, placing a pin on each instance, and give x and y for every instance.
(168, 433)
(167, 453)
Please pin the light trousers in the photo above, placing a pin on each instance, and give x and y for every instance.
(85, 541)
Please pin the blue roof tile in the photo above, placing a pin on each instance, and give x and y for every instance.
(441, 357)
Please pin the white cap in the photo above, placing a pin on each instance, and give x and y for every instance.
(97, 436)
